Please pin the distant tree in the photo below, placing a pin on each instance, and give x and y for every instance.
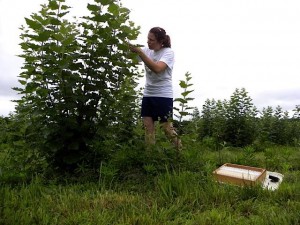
(219, 125)
(78, 81)
(195, 114)
(296, 114)
(236, 122)
(275, 126)
(240, 119)
(207, 118)
(280, 129)
(4, 122)
(266, 124)
(296, 125)
(213, 121)
(193, 124)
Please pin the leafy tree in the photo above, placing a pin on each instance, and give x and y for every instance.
(213, 117)
(235, 122)
(266, 124)
(184, 109)
(280, 130)
(240, 119)
(228, 121)
(207, 118)
(296, 111)
(296, 125)
(275, 126)
(78, 81)
(193, 126)
(219, 125)
(4, 122)
(195, 114)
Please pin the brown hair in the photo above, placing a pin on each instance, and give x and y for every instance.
(161, 36)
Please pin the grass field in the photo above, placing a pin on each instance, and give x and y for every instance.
(187, 195)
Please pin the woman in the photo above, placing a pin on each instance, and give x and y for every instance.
(157, 103)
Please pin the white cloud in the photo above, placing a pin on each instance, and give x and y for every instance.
(7, 106)
(224, 44)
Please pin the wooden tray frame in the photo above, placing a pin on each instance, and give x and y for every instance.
(240, 181)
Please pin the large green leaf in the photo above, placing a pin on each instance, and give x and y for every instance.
(92, 7)
(183, 84)
(65, 7)
(42, 92)
(55, 21)
(23, 82)
(186, 93)
(53, 5)
(100, 18)
(58, 36)
(44, 36)
(104, 2)
(114, 9)
(181, 100)
(30, 87)
(35, 25)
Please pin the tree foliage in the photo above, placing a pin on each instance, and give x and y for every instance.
(240, 116)
(276, 126)
(78, 80)
(184, 109)
(237, 122)
(213, 120)
(230, 121)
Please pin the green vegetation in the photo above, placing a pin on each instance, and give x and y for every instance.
(187, 195)
(73, 152)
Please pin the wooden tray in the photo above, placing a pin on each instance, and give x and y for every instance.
(239, 174)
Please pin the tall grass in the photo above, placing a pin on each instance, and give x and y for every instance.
(183, 195)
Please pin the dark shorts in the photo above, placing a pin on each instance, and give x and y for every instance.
(160, 109)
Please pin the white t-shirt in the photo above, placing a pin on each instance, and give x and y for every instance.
(159, 84)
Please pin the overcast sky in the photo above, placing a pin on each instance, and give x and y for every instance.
(224, 44)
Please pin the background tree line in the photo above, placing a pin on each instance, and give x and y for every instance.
(237, 122)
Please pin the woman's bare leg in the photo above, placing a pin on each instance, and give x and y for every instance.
(149, 130)
(171, 134)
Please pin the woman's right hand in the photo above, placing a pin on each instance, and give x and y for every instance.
(134, 48)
